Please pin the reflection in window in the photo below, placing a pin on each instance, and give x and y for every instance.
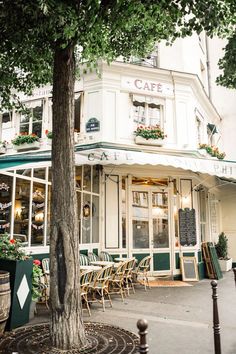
(38, 212)
(86, 218)
(87, 178)
(22, 209)
(160, 219)
(95, 219)
(123, 195)
(39, 173)
(140, 234)
(96, 179)
(5, 203)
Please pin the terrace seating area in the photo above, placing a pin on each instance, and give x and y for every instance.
(103, 277)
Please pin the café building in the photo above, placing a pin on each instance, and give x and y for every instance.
(136, 196)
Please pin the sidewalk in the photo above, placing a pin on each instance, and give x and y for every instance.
(179, 318)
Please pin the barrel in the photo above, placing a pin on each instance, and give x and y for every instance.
(5, 298)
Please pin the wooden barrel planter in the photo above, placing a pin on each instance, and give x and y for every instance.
(5, 298)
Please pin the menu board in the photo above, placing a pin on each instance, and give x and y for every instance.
(187, 227)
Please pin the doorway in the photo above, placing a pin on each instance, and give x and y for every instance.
(150, 226)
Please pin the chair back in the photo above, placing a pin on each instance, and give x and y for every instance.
(120, 271)
(85, 279)
(46, 265)
(105, 256)
(92, 257)
(144, 264)
(130, 265)
(83, 260)
(103, 276)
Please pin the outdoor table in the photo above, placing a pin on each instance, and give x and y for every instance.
(90, 267)
(102, 263)
(123, 259)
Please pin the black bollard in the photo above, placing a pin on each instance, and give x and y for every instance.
(216, 324)
(142, 326)
(234, 269)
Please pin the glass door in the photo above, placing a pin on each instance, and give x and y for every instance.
(150, 225)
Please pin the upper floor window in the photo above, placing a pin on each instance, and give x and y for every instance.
(199, 130)
(148, 111)
(6, 120)
(211, 131)
(31, 118)
(77, 111)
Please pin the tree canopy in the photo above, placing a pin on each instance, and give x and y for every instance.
(42, 41)
(101, 29)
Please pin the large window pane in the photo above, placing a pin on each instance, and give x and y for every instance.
(5, 203)
(160, 219)
(86, 218)
(95, 219)
(38, 214)
(140, 234)
(96, 179)
(22, 209)
(87, 178)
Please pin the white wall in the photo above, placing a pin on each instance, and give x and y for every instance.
(224, 99)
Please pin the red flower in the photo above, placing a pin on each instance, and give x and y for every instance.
(12, 241)
(37, 262)
(46, 132)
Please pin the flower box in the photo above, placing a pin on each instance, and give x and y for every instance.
(225, 264)
(27, 146)
(142, 141)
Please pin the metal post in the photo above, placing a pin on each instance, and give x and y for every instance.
(234, 269)
(143, 346)
(216, 324)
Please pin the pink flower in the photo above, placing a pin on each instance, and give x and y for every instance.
(37, 262)
(12, 241)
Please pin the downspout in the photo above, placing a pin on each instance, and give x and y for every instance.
(208, 68)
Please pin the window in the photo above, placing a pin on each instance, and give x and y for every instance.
(148, 111)
(77, 103)
(31, 118)
(6, 120)
(211, 131)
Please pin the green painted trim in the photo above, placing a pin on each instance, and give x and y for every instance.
(140, 256)
(177, 261)
(201, 270)
(233, 264)
(124, 255)
(85, 252)
(161, 261)
(7, 161)
(177, 277)
(199, 256)
(188, 254)
(40, 256)
(95, 251)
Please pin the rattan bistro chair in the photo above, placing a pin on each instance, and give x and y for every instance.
(140, 274)
(128, 275)
(83, 260)
(116, 283)
(85, 281)
(92, 257)
(99, 286)
(105, 256)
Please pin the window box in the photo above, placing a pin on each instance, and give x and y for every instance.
(27, 146)
(142, 141)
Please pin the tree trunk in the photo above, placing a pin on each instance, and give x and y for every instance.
(67, 330)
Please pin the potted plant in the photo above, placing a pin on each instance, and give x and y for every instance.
(212, 151)
(149, 135)
(37, 286)
(222, 253)
(14, 260)
(24, 142)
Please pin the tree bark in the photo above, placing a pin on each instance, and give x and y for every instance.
(67, 330)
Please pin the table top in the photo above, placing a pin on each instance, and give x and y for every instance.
(90, 267)
(123, 259)
(102, 263)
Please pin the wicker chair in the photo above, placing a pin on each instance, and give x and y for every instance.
(92, 257)
(105, 256)
(116, 283)
(142, 272)
(99, 286)
(128, 275)
(85, 281)
(83, 260)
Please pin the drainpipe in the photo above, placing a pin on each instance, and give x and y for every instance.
(208, 68)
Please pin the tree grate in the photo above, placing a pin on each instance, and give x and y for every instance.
(101, 339)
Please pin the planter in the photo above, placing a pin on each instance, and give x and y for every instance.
(25, 147)
(5, 299)
(20, 284)
(203, 152)
(3, 150)
(225, 264)
(142, 141)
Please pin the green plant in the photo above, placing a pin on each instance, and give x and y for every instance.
(213, 151)
(150, 132)
(48, 134)
(222, 246)
(36, 280)
(10, 249)
(25, 138)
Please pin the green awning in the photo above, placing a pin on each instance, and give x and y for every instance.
(10, 161)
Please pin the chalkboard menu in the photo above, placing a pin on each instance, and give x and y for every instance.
(187, 227)
(188, 267)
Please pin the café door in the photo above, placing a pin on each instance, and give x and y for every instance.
(150, 225)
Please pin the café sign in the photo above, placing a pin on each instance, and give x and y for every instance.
(134, 84)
